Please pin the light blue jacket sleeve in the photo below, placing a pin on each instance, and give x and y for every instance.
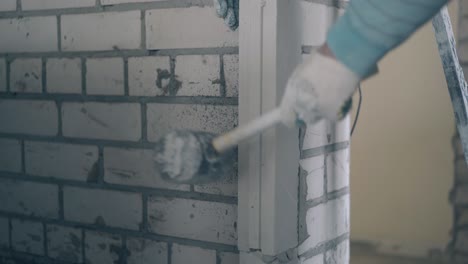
(369, 29)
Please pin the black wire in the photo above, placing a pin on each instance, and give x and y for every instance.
(358, 110)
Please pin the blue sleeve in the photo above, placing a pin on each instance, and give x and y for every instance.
(369, 29)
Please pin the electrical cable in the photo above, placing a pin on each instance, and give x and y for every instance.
(358, 110)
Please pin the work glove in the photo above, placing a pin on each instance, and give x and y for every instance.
(229, 10)
(321, 87)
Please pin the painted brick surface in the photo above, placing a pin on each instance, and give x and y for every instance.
(229, 258)
(63, 161)
(226, 185)
(54, 4)
(64, 76)
(149, 76)
(118, 121)
(27, 198)
(113, 2)
(134, 167)
(231, 75)
(315, 168)
(10, 155)
(199, 75)
(64, 243)
(26, 76)
(209, 118)
(105, 76)
(186, 254)
(8, 5)
(176, 28)
(313, 260)
(29, 117)
(332, 217)
(27, 236)
(102, 31)
(4, 233)
(317, 135)
(102, 248)
(199, 220)
(102, 207)
(3, 80)
(146, 251)
(28, 34)
(339, 254)
(338, 170)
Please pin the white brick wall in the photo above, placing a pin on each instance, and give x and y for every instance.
(80, 33)
(147, 76)
(199, 75)
(63, 161)
(101, 207)
(134, 167)
(31, 34)
(8, 5)
(113, 2)
(101, 247)
(229, 258)
(227, 185)
(54, 4)
(3, 80)
(64, 243)
(214, 119)
(105, 76)
(27, 198)
(28, 117)
(194, 27)
(313, 260)
(315, 168)
(26, 76)
(186, 254)
(27, 236)
(10, 155)
(146, 251)
(339, 254)
(338, 170)
(4, 233)
(200, 220)
(64, 75)
(231, 75)
(119, 121)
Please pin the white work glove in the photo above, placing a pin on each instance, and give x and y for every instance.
(318, 88)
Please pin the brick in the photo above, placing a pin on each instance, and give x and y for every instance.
(28, 34)
(199, 220)
(105, 76)
(3, 80)
(102, 31)
(229, 258)
(463, 218)
(461, 242)
(315, 168)
(27, 236)
(323, 215)
(338, 170)
(64, 76)
(113, 2)
(146, 251)
(164, 118)
(461, 195)
(317, 135)
(8, 5)
(29, 117)
(319, 18)
(102, 248)
(27, 198)
(339, 254)
(55, 4)
(149, 76)
(186, 254)
(199, 75)
(341, 130)
(226, 185)
(64, 243)
(176, 28)
(231, 74)
(313, 260)
(10, 155)
(102, 207)
(4, 233)
(134, 167)
(111, 121)
(26, 76)
(63, 161)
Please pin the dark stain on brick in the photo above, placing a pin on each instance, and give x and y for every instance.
(75, 240)
(191, 216)
(20, 85)
(216, 81)
(158, 217)
(99, 221)
(126, 174)
(121, 253)
(102, 246)
(34, 237)
(163, 75)
(93, 174)
(35, 75)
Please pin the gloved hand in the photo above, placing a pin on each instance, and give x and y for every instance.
(229, 10)
(319, 88)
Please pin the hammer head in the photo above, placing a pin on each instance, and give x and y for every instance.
(188, 157)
